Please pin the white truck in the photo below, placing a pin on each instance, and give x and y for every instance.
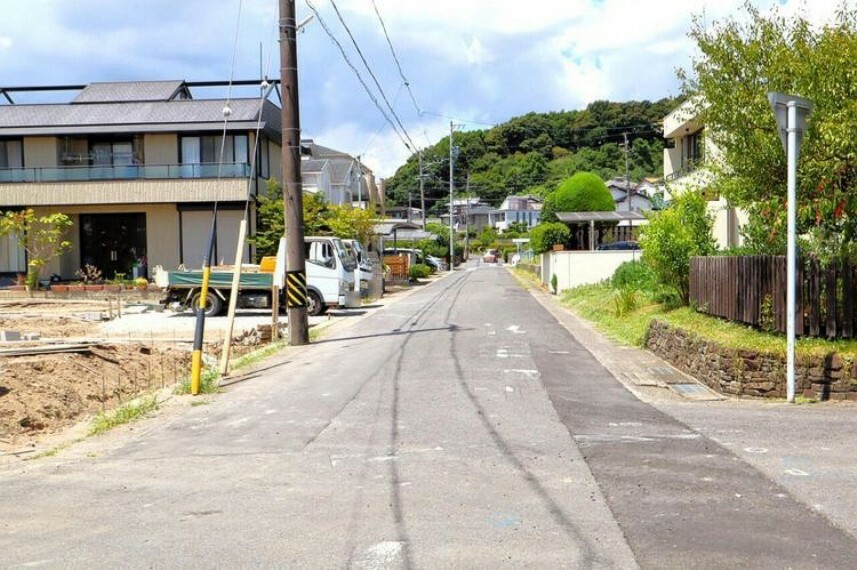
(329, 271)
(365, 268)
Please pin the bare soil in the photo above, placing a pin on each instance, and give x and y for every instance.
(43, 394)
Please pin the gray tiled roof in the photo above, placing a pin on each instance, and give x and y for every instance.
(178, 115)
(340, 168)
(126, 91)
(312, 165)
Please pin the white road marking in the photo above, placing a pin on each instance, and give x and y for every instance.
(515, 329)
(386, 554)
(756, 449)
(796, 472)
(530, 374)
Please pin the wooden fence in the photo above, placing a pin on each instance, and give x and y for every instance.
(752, 290)
(399, 267)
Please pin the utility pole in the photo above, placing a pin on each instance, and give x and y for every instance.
(467, 220)
(627, 174)
(422, 190)
(409, 206)
(451, 204)
(293, 203)
(359, 183)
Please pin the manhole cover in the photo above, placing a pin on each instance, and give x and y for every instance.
(690, 389)
(695, 392)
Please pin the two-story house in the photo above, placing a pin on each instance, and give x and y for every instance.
(338, 176)
(688, 151)
(137, 166)
(629, 196)
(516, 210)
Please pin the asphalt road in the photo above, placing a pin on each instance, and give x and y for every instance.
(459, 427)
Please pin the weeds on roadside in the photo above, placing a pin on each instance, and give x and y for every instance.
(625, 300)
(129, 412)
(208, 382)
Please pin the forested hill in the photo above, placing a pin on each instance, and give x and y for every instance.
(530, 154)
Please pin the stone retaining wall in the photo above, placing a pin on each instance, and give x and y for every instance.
(750, 373)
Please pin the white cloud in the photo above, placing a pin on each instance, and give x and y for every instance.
(480, 61)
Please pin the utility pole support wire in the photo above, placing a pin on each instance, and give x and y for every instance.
(293, 190)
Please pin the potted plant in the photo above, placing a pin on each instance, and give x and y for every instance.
(91, 277)
(141, 283)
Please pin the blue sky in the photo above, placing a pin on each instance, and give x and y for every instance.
(478, 62)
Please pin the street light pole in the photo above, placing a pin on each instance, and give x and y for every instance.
(296, 287)
(422, 190)
(791, 113)
(451, 205)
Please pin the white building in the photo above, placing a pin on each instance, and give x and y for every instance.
(686, 156)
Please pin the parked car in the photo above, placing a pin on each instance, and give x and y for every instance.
(437, 263)
(618, 245)
(491, 256)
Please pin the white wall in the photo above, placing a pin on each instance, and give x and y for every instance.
(576, 268)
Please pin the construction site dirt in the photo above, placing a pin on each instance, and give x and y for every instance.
(64, 361)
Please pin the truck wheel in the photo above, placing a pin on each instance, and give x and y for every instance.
(315, 305)
(213, 304)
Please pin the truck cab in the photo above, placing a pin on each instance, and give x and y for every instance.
(365, 267)
(330, 273)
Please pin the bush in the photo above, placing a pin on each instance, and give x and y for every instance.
(544, 236)
(419, 271)
(635, 274)
(583, 192)
(675, 235)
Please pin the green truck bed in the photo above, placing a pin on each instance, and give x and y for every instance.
(219, 279)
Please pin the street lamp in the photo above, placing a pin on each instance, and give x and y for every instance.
(791, 113)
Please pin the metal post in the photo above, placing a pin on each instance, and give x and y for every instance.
(627, 174)
(791, 113)
(422, 190)
(293, 190)
(451, 205)
(791, 153)
(359, 183)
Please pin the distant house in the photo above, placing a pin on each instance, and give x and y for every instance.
(469, 213)
(405, 213)
(640, 200)
(516, 209)
(686, 155)
(338, 176)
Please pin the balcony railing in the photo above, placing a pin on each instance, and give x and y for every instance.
(125, 172)
(688, 167)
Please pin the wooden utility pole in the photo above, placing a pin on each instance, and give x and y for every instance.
(293, 203)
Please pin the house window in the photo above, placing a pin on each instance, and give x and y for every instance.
(694, 148)
(264, 165)
(11, 154)
(205, 149)
(81, 151)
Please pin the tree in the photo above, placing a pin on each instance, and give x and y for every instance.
(42, 237)
(270, 218)
(545, 235)
(741, 61)
(673, 236)
(583, 192)
(351, 223)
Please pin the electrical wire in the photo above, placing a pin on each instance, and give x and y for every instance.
(412, 146)
(356, 72)
(405, 81)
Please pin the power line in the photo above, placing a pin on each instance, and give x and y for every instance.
(356, 72)
(412, 146)
(405, 81)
